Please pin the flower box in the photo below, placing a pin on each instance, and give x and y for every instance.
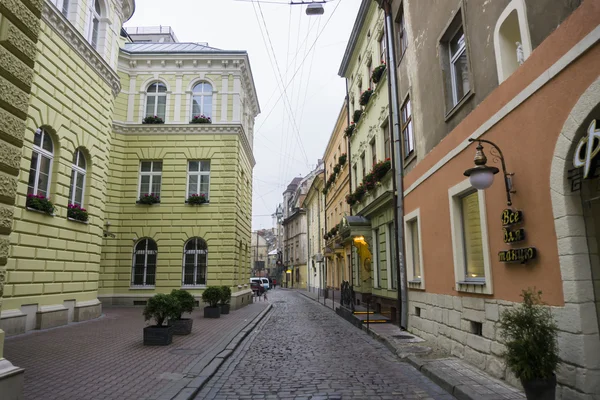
(201, 119)
(377, 73)
(149, 198)
(77, 213)
(364, 98)
(356, 116)
(196, 199)
(40, 203)
(153, 120)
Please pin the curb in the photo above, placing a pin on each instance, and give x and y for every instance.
(191, 389)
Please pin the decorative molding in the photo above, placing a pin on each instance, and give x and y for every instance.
(187, 129)
(55, 20)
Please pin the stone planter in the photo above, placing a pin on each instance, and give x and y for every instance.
(224, 308)
(158, 335)
(540, 389)
(182, 326)
(212, 312)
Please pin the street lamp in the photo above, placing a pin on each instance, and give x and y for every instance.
(482, 176)
(314, 9)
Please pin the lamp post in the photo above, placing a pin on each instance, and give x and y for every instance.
(482, 176)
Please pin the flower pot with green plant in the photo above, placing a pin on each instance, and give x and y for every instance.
(149, 198)
(197, 199)
(153, 119)
(161, 307)
(377, 73)
(529, 332)
(342, 159)
(364, 97)
(77, 213)
(201, 119)
(225, 299)
(349, 130)
(185, 304)
(212, 296)
(40, 203)
(356, 116)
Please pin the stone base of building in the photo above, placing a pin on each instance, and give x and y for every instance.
(87, 310)
(13, 322)
(385, 306)
(51, 317)
(241, 299)
(11, 381)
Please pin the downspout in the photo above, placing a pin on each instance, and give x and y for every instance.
(308, 250)
(349, 160)
(319, 229)
(398, 166)
(325, 226)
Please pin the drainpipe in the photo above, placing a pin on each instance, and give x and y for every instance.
(319, 193)
(398, 166)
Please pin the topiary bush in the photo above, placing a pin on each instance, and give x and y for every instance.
(185, 301)
(225, 294)
(530, 335)
(212, 296)
(161, 307)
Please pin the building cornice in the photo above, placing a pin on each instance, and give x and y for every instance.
(187, 129)
(58, 23)
(354, 36)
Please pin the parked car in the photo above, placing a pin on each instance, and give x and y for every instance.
(257, 287)
(266, 283)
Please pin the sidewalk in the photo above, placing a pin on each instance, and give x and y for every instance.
(456, 376)
(105, 358)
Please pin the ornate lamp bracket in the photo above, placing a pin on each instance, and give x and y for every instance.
(497, 155)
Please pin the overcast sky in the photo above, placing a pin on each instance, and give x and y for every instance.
(283, 149)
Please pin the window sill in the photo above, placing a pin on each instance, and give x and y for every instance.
(140, 287)
(411, 157)
(78, 221)
(458, 105)
(477, 287)
(145, 204)
(197, 204)
(193, 286)
(40, 212)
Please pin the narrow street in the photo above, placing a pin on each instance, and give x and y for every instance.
(305, 351)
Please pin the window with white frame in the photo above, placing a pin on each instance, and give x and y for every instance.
(376, 261)
(194, 262)
(382, 49)
(386, 141)
(202, 99)
(414, 253)
(144, 263)
(391, 255)
(459, 68)
(470, 239)
(407, 129)
(150, 178)
(198, 178)
(94, 23)
(77, 187)
(41, 164)
(62, 5)
(363, 165)
(156, 100)
(374, 152)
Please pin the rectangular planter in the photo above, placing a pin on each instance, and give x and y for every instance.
(182, 326)
(224, 308)
(158, 335)
(212, 312)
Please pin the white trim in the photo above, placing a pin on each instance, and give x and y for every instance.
(178, 87)
(412, 217)
(520, 8)
(75, 169)
(41, 152)
(454, 196)
(150, 173)
(131, 98)
(156, 94)
(224, 97)
(581, 47)
(199, 174)
(376, 267)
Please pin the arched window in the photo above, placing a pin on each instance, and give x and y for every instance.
(202, 100)
(156, 100)
(41, 164)
(77, 187)
(144, 263)
(194, 262)
(94, 23)
(512, 42)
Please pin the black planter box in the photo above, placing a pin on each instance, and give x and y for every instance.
(181, 326)
(224, 308)
(158, 335)
(540, 389)
(212, 312)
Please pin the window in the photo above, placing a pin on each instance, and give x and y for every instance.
(414, 260)
(150, 177)
(202, 99)
(374, 151)
(355, 173)
(363, 164)
(401, 30)
(369, 73)
(386, 141)
(94, 24)
(77, 187)
(194, 262)
(469, 239)
(62, 5)
(376, 262)
(144, 263)
(382, 48)
(41, 164)
(459, 69)
(407, 129)
(156, 100)
(198, 178)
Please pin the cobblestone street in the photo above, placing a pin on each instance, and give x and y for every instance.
(304, 351)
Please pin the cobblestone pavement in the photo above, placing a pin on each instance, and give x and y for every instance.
(105, 359)
(304, 351)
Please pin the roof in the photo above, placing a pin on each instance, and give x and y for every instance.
(174, 48)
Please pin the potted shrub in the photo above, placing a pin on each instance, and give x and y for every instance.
(201, 119)
(77, 213)
(160, 307)
(364, 97)
(40, 203)
(356, 116)
(225, 299)
(378, 73)
(153, 119)
(185, 303)
(197, 199)
(349, 129)
(212, 296)
(531, 346)
(149, 198)
(350, 199)
(342, 159)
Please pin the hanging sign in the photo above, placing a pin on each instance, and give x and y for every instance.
(514, 235)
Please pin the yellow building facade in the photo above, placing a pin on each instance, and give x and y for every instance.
(86, 147)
